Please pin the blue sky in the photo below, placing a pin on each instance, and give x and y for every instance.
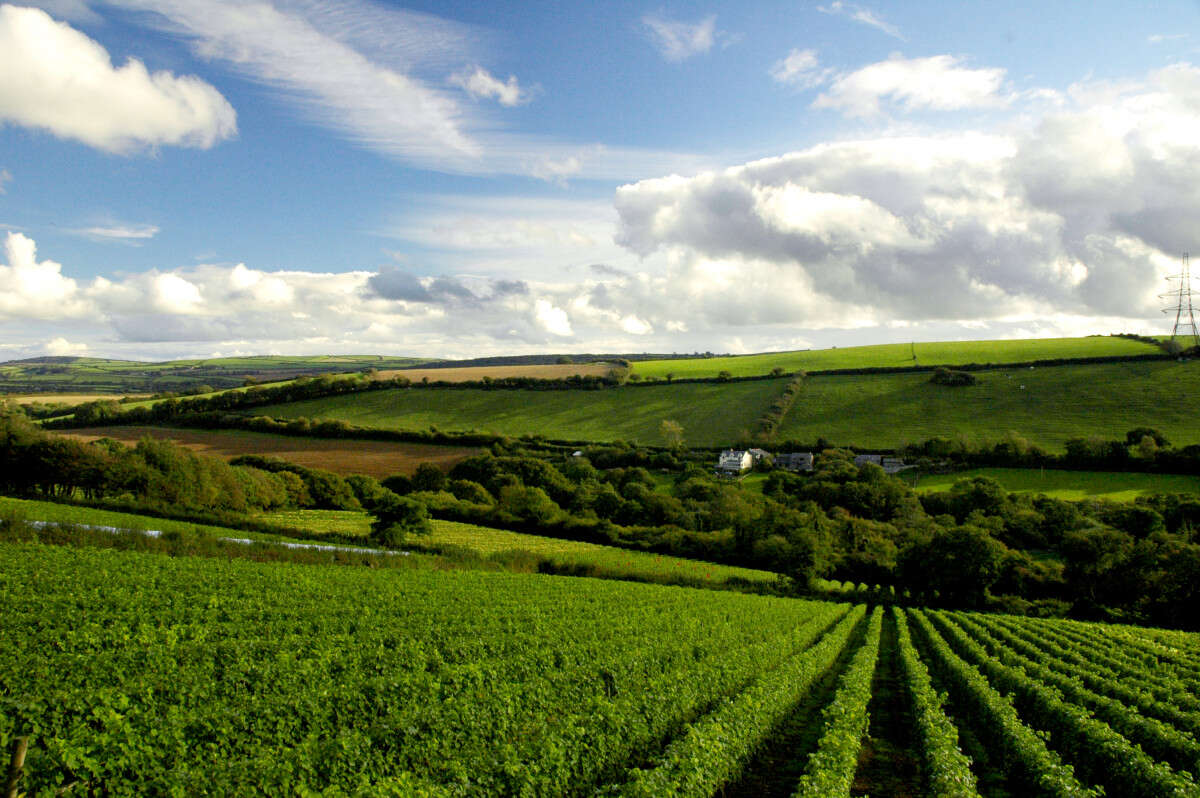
(207, 177)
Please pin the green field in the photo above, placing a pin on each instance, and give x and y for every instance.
(486, 541)
(1070, 485)
(141, 674)
(711, 414)
(1056, 404)
(33, 510)
(939, 353)
(118, 377)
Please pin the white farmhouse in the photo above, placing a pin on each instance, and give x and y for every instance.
(733, 462)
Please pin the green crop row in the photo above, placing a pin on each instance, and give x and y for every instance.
(947, 769)
(142, 674)
(1061, 662)
(1033, 760)
(715, 749)
(1150, 680)
(1156, 738)
(830, 769)
(1100, 753)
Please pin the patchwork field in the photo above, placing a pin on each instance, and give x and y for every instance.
(486, 541)
(103, 376)
(1046, 405)
(158, 673)
(373, 458)
(711, 414)
(1070, 485)
(62, 398)
(555, 371)
(939, 353)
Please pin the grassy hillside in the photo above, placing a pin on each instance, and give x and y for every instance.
(1055, 404)
(711, 414)
(893, 355)
(487, 542)
(118, 377)
(1070, 485)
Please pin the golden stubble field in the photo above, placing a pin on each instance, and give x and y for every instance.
(373, 458)
(557, 371)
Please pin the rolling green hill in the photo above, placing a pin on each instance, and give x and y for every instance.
(940, 353)
(97, 375)
(1070, 485)
(1054, 405)
(711, 414)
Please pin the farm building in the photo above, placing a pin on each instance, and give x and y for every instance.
(795, 461)
(890, 465)
(759, 455)
(732, 462)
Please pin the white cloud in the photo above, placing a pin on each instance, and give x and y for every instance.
(1076, 216)
(54, 78)
(481, 83)
(936, 83)
(677, 40)
(379, 105)
(376, 75)
(864, 16)
(5, 177)
(799, 68)
(32, 289)
(552, 319)
(59, 347)
(123, 233)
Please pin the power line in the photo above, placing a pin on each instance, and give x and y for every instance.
(1185, 315)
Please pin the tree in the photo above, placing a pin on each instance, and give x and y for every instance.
(672, 432)
(397, 517)
(724, 375)
(428, 477)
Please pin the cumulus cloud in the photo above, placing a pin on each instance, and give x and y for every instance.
(677, 40)
(54, 78)
(800, 68)
(60, 347)
(1078, 215)
(861, 15)
(481, 83)
(551, 318)
(936, 83)
(33, 289)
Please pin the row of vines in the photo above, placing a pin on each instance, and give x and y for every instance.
(141, 674)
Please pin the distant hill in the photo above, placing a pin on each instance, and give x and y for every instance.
(99, 375)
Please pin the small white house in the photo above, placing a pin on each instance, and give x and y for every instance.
(732, 462)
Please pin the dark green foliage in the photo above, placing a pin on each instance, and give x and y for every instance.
(397, 517)
(951, 377)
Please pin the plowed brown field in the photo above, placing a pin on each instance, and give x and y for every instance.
(374, 458)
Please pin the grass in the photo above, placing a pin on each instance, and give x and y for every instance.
(555, 371)
(711, 414)
(33, 510)
(939, 353)
(1047, 406)
(342, 456)
(488, 542)
(98, 375)
(1070, 485)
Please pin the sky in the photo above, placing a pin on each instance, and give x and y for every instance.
(201, 178)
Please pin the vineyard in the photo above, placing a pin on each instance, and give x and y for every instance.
(143, 674)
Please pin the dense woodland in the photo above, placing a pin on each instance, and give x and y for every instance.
(975, 546)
